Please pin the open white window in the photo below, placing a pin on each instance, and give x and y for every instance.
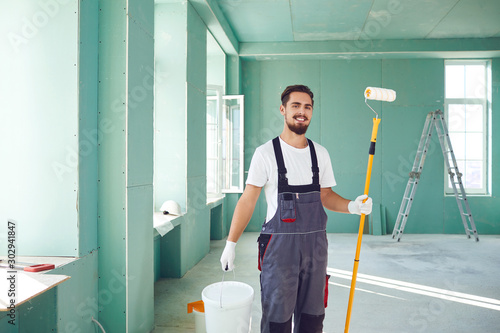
(467, 105)
(214, 142)
(232, 144)
(225, 116)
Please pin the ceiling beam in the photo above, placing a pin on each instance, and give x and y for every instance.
(373, 49)
(217, 24)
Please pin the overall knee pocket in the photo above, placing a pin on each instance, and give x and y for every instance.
(311, 323)
(285, 327)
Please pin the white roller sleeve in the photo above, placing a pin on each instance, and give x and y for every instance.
(380, 94)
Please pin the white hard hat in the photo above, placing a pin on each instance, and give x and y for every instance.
(171, 207)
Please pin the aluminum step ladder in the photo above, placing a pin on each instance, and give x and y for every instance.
(435, 119)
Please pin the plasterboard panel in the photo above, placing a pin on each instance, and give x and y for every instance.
(402, 122)
(140, 106)
(259, 20)
(140, 272)
(196, 132)
(196, 51)
(112, 163)
(39, 125)
(89, 134)
(73, 295)
(470, 19)
(328, 20)
(170, 110)
(142, 13)
(404, 19)
(345, 115)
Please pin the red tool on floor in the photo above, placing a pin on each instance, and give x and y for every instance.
(28, 267)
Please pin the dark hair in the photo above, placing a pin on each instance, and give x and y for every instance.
(285, 95)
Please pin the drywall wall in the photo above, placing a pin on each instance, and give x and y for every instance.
(342, 123)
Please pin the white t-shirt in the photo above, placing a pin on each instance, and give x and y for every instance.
(263, 170)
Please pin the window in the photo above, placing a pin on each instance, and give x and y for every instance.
(214, 142)
(224, 128)
(224, 143)
(232, 144)
(467, 105)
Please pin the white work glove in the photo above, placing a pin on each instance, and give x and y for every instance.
(228, 255)
(359, 207)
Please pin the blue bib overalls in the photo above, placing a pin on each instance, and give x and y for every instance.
(293, 256)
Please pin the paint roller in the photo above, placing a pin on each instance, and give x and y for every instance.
(380, 94)
(377, 94)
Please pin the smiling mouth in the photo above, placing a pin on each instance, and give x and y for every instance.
(300, 119)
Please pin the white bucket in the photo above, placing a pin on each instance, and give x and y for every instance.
(235, 315)
(199, 322)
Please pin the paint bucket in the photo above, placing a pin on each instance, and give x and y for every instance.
(228, 307)
(198, 309)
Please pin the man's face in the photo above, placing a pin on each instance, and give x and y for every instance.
(298, 112)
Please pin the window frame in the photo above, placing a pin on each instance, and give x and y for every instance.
(485, 102)
(225, 158)
(218, 177)
(229, 134)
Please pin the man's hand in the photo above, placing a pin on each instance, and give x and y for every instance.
(228, 255)
(359, 207)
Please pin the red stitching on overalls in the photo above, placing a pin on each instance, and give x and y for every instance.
(261, 258)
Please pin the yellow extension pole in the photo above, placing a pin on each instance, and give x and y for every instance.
(376, 122)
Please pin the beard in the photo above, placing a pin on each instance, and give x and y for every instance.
(298, 129)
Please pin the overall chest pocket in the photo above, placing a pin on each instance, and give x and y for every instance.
(288, 211)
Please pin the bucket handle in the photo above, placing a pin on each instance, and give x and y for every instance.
(222, 284)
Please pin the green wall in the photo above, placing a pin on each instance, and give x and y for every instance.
(39, 126)
(88, 130)
(342, 123)
(66, 168)
(125, 164)
(180, 133)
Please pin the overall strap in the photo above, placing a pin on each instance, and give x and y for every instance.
(314, 160)
(282, 180)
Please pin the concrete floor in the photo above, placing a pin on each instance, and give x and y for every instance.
(425, 283)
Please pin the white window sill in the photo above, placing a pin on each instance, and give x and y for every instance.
(215, 201)
(483, 195)
(28, 284)
(164, 223)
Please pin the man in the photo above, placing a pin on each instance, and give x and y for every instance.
(297, 177)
